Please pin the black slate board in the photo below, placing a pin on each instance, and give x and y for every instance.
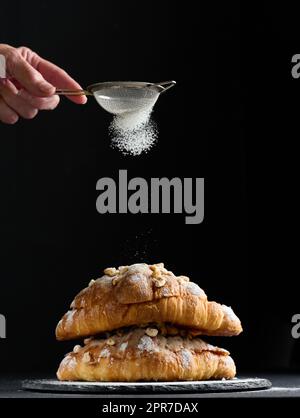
(206, 386)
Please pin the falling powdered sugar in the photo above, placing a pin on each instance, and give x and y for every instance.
(133, 132)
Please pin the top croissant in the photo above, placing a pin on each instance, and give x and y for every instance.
(140, 294)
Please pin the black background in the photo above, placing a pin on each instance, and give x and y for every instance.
(232, 118)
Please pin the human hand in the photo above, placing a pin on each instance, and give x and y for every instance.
(30, 85)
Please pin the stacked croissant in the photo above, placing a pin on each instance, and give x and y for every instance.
(141, 323)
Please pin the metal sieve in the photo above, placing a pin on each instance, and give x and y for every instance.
(119, 97)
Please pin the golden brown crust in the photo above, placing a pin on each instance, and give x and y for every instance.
(136, 356)
(141, 294)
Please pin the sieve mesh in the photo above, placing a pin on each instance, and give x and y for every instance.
(122, 100)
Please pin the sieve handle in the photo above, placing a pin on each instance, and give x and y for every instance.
(166, 85)
(69, 92)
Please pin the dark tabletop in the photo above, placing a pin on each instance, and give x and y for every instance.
(284, 385)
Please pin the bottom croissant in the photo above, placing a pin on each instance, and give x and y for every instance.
(137, 356)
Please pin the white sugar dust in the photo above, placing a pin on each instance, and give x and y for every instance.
(133, 133)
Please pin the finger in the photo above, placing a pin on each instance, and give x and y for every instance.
(11, 97)
(60, 79)
(7, 115)
(41, 103)
(30, 78)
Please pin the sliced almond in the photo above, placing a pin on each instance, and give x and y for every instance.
(156, 272)
(160, 282)
(110, 341)
(123, 269)
(183, 279)
(91, 282)
(151, 332)
(86, 358)
(116, 280)
(111, 271)
(76, 348)
(156, 275)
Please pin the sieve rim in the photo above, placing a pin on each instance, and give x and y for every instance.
(125, 84)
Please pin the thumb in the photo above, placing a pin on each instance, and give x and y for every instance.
(26, 75)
